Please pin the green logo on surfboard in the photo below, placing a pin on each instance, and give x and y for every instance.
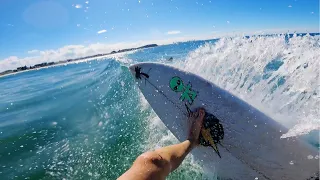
(176, 84)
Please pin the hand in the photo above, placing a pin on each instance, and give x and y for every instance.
(195, 121)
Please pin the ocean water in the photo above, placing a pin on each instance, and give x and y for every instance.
(88, 120)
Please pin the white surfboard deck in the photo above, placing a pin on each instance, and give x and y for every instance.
(251, 147)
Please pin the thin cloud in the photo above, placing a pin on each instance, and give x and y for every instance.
(289, 6)
(34, 51)
(78, 6)
(173, 32)
(102, 31)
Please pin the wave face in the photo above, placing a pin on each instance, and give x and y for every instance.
(89, 121)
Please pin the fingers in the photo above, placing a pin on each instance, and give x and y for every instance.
(201, 117)
(196, 121)
(201, 113)
(198, 113)
(193, 114)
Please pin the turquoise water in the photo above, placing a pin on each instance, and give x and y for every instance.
(89, 121)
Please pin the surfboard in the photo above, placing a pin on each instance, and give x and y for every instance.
(238, 141)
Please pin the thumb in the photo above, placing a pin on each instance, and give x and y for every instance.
(201, 116)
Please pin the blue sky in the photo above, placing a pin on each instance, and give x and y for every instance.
(42, 25)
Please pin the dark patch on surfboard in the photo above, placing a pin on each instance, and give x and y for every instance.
(213, 127)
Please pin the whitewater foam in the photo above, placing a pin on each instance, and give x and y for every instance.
(276, 74)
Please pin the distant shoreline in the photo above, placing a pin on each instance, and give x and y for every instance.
(48, 64)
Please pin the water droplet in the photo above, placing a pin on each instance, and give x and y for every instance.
(256, 178)
(291, 163)
(310, 157)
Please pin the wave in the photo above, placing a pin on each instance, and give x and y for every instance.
(89, 121)
(276, 74)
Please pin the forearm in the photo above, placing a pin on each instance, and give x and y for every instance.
(175, 154)
(159, 163)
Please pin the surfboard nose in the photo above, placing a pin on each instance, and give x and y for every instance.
(131, 68)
